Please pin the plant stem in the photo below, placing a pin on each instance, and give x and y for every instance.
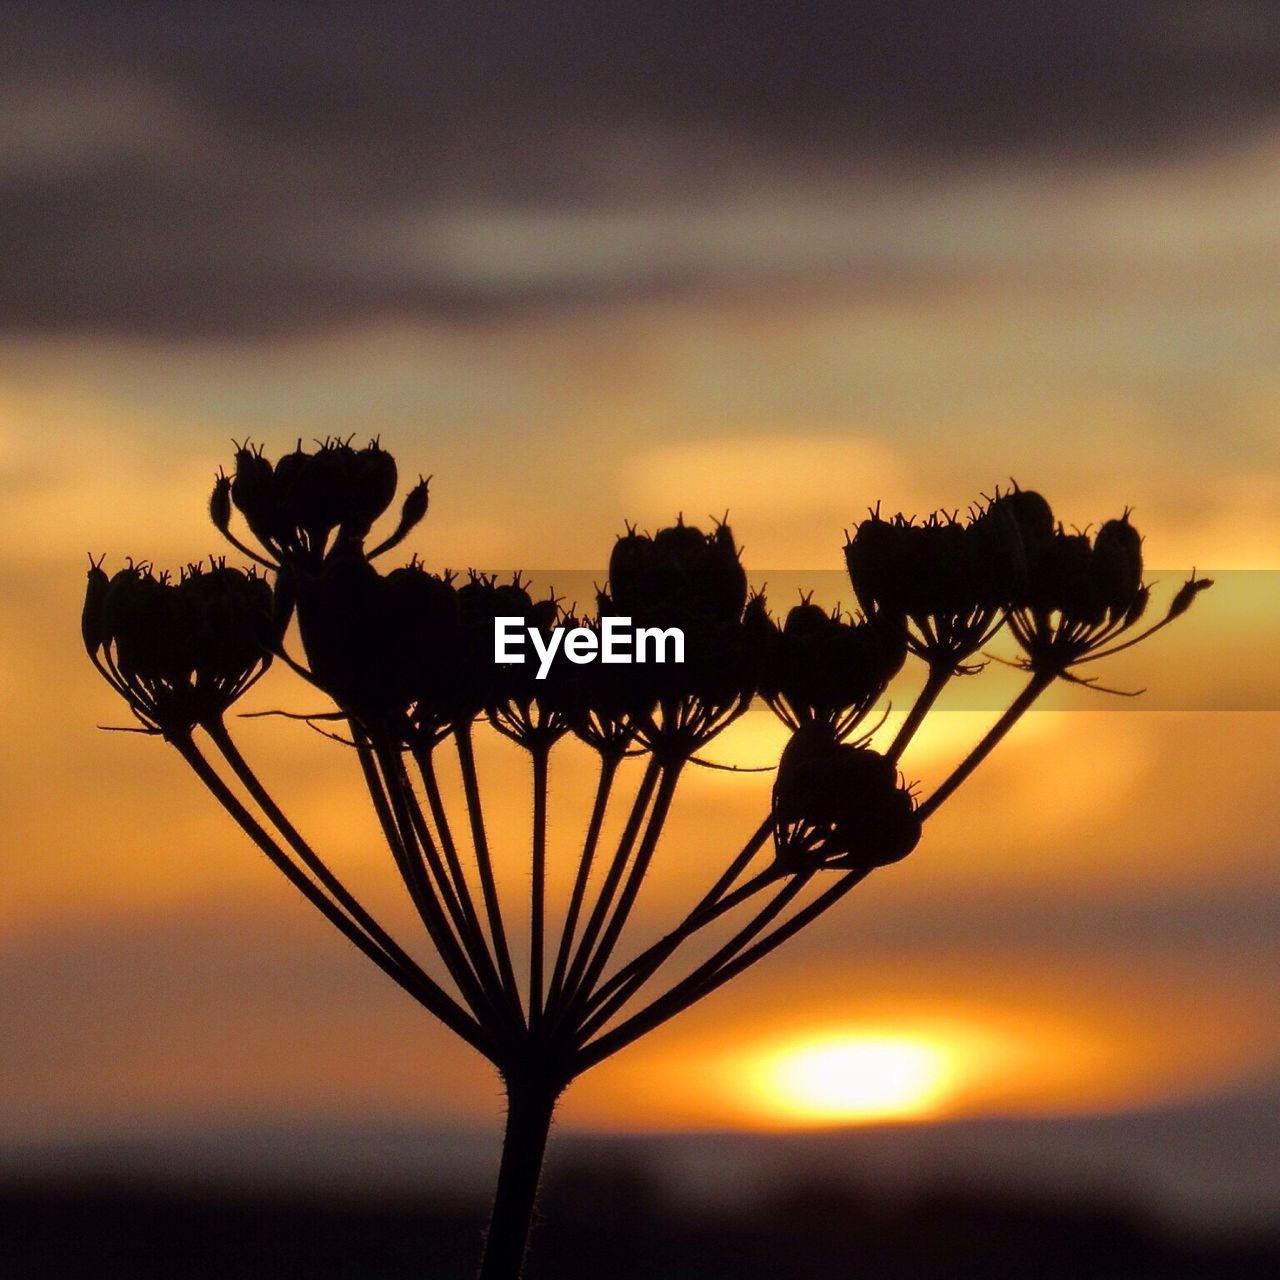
(933, 686)
(712, 906)
(538, 889)
(610, 996)
(416, 982)
(608, 771)
(635, 878)
(415, 870)
(421, 869)
(604, 900)
(1038, 683)
(704, 979)
(529, 1108)
(475, 943)
(484, 863)
(221, 738)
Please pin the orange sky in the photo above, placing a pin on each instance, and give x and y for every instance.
(1090, 923)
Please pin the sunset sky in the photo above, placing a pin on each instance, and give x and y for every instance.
(607, 264)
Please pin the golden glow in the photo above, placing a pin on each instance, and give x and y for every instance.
(1029, 958)
(866, 1074)
(863, 1076)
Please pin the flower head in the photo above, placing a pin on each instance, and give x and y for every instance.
(180, 653)
(379, 644)
(677, 576)
(1079, 595)
(692, 581)
(839, 805)
(310, 504)
(942, 580)
(824, 667)
(532, 707)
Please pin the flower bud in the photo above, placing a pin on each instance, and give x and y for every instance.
(253, 491)
(822, 667)
(179, 653)
(1028, 512)
(91, 628)
(415, 506)
(876, 557)
(837, 805)
(220, 504)
(1186, 596)
(342, 621)
(677, 576)
(1117, 565)
(296, 507)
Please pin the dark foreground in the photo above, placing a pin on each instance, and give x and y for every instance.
(597, 1222)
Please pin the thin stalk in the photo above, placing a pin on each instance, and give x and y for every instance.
(604, 900)
(538, 889)
(608, 771)
(628, 980)
(737, 866)
(691, 989)
(417, 835)
(476, 944)
(412, 861)
(669, 1006)
(1038, 683)
(711, 906)
(476, 962)
(937, 680)
(635, 878)
(222, 739)
(484, 863)
(417, 983)
(524, 1143)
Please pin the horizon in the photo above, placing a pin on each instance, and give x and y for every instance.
(591, 272)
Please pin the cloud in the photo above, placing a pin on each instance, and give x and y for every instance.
(245, 171)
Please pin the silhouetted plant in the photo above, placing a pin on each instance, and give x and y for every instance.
(406, 657)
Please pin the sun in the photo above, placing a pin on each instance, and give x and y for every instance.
(855, 1077)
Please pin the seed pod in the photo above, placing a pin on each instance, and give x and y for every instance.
(677, 577)
(415, 506)
(372, 478)
(840, 806)
(1117, 565)
(253, 491)
(1029, 513)
(822, 667)
(91, 619)
(876, 557)
(220, 504)
(179, 653)
(1186, 595)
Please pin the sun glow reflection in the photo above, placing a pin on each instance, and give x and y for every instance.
(860, 1076)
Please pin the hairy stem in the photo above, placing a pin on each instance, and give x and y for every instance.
(471, 952)
(474, 939)
(635, 878)
(714, 904)
(608, 771)
(604, 900)
(702, 980)
(538, 889)
(937, 680)
(530, 1105)
(414, 862)
(418, 984)
(1038, 683)
(484, 863)
(222, 739)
